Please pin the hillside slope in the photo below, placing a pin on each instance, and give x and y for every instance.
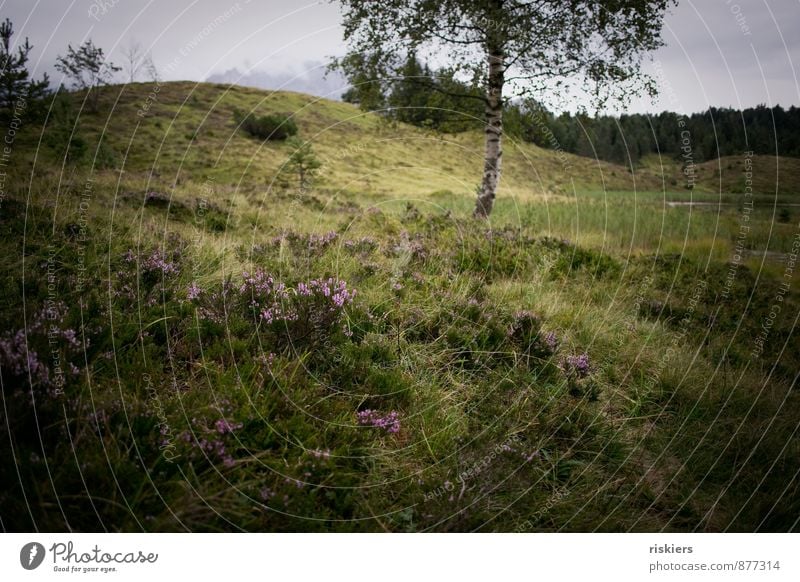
(189, 129)
(189, 343)
(191, 125)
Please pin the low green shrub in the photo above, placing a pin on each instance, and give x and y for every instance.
(274, 127)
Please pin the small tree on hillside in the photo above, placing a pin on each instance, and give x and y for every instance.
(134, 60)
(15, 81)
(151, 69)
(88, 69)
(302, 161)
(506, 44)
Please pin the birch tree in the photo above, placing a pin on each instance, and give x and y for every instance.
(509, 48)
(134, 60)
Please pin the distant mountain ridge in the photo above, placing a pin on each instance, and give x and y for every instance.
(313, 79)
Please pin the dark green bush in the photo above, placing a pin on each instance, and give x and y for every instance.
(272, 127)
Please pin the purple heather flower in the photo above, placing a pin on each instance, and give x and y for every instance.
(71, 337)
(364, 244)
(390, 423)
(579, 365)
(157, 262)
(320, 241)
(193, 292)
(223, 426)
(266, 359)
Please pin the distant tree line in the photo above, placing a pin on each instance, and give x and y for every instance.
(708, 135)
(438, 100)
(419, 95)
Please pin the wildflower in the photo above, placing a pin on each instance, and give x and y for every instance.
(335, 290)
(157, 262)
(71, 337)
(529, 457)
(390, 423)
(551, 340)
(267, 359)
(320, 241)
(579, 365)
(365, 244)
(525, 325)
(193, 292)
(224, 426)
(296, 482)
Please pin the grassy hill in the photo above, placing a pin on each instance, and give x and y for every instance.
(181, 140)
(191, 341)
(186, 128)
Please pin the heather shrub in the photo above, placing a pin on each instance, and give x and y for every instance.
(526, 334)
(146, 275)
(302, 316)
(303, 244)
(43, 354)
(578, 371)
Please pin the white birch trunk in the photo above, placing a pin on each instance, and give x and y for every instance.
(493, 156)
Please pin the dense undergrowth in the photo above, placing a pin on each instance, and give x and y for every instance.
(188, 344)
(402, 372)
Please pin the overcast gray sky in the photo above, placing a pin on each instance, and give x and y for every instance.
(719, 52)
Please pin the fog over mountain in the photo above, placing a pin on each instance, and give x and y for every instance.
(313, 78)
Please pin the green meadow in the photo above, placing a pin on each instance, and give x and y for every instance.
(194, 341)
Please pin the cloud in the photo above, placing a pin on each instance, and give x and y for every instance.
(311, 78)
(727, 52)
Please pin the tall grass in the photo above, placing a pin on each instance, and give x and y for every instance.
(583, 362)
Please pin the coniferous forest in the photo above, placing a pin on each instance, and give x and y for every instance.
(439, 100)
